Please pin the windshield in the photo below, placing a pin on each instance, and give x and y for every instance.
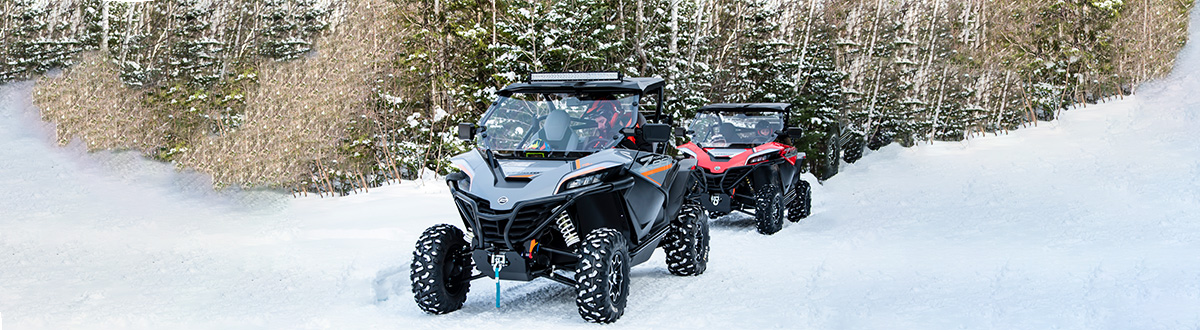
(557, 121)
(720, 129)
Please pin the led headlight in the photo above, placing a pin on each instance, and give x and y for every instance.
(762, 156)
(759, 159)
(588, 175)
(584, 180)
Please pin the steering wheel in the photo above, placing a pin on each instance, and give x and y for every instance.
(596, 141)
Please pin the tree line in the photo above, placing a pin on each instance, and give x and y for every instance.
(904, 71)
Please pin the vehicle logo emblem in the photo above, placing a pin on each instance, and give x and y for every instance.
(717, 168)
(503, 200)
(716, 199)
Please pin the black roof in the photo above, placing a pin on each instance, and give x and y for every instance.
(777, 107)
(624, 85)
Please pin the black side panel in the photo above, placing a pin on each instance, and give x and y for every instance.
(764, 175)
(646, 205)
(601, 210)
(678, 187)
(789, 173)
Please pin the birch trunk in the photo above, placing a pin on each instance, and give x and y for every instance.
(104, 25)
(637, 43)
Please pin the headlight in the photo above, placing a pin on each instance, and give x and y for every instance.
(762, 156)
(588, 175)
(758, 159)
(584, 180)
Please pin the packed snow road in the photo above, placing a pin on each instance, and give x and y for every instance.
(1089, 222)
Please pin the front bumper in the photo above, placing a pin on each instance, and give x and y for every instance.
(507, 231)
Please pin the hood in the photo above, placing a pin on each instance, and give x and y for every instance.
(719, 160)
(516, 180)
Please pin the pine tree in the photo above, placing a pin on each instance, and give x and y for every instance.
(194, 52)
(290, 26)
(819, 96)
(522, 32)
(35, 43)
(889, 81)
(673, 44)
(760, 65)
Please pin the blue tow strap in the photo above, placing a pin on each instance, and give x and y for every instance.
(497, 286)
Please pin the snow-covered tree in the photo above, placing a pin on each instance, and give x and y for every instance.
(289, 27)
(38, 36)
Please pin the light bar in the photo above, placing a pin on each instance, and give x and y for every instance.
(574, 76)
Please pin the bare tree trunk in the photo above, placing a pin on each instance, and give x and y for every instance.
(1003, 104)
(77, 19)
(493, 26)
(673, 47)
(237, 37)
(1028, 103)
(807, 21)
(937, 107)
(637, 43)
(104, 25)
(5, 10)
(870, 55)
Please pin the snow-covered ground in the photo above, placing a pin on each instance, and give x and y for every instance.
(1088, 222)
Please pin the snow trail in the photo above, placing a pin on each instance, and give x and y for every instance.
(1088, 222)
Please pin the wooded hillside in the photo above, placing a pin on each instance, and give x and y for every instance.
(334, 95)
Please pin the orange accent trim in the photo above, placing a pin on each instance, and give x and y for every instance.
(660, 169)
(523, 176)
(579, 165)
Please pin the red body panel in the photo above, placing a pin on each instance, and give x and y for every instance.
(704, 160)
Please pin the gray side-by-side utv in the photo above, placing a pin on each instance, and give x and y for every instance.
(570, 181)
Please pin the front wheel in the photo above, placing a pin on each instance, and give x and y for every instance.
(801, 206)
(768, 209)
(441, 270)
(602, 276)
(686, 243)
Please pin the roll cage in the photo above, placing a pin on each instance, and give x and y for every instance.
(723, 127)
(784, 108)
(650, 104)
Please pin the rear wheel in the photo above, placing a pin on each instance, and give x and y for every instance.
(853, 148)
(801, 206)
(602, 276)
(768, 209)
(686, 243)
(441, 270)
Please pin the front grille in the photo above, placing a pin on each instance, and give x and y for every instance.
(520, 222)
(723, 183)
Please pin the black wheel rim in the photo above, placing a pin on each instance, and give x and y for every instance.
(776, 210)
(616, 277)
(452, 272)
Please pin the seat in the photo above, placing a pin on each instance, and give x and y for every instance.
(557, 132)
